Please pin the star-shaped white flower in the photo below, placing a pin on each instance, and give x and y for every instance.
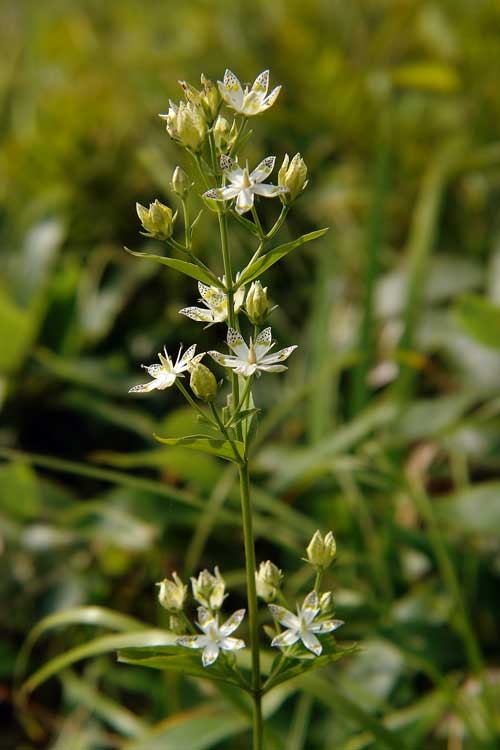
(214, 638)
(248, 102)
(248, 360)
(244, 185)
(216, 302)
(165, 374)
(302, 626)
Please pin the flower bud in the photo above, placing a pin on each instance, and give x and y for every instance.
(157, 220)
(326, 603)
(181, 184)
(203, 383)
(292, 175)
(268, 581)
(257, 304)
(208, 589)
(208, 99)
(321, 551)
(186, 124)
(224, 135)
(172, 594)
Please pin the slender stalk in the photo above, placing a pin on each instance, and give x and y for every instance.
(193, 403)
(246, 513)
(224, 431)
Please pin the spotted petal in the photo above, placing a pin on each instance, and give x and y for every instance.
(325, 627)
(261, 83)
(263, 170)
(231, 90)
(185, 360)
(236, 344)
(270, 99)
(233, 623)
(311, 642)
(153, 370)
(310, 607)
(210, 654)
(269, 191)
(192, 641)
(232, 644)
(244, 201)
(286, 638)
(263, 343)
(284, 617)
(210, 295)
(199, 314)
(221, 194)
(144, 387)
(276, 357)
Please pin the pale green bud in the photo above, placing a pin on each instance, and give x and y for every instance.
(268, 581)
(321, 551)
(181, 184)
(326, 603)
(203, 383)
(208, 99)
(209, 590)
(257, 304)
(172, 594)
(224, 135)
(157, 220)
(292, 175)
(186, 124)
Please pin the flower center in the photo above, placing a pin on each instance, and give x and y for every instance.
(246, 181)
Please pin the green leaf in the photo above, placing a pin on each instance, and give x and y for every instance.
(307, 662)
(475, 510)
(257, 268)
(214, 446)
(179, 659)
(190, 269)
(480, 318)
(97, 646)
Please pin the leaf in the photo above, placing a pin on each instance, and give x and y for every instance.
(299, 666)
(214, 446)
(195, 729)
(475, 510)
(190, 269)
(480, 318)
(179, 659)
(257, 268)
(97, 646)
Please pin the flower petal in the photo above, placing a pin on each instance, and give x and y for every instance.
(199, 314)
(263, 170)
(286, 638)
(205, 617)
(284, 617)
(275, 357)
(325, 627)
(226, 360)
(310, 607)
(232, 644)
(311, 642)
(263, 343)
(145, 387)
(231, 91)
(192, 641)
(273, 368)
(234, 622)
(269, 100)
(261, 83)
(244, 201)
(153, 370)
(210, 654)
(210, 295)
(221, 194)
(236, 343)
(185, 359)
(269, 191)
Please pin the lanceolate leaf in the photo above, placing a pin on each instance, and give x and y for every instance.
(214, 446)
(190, 269)
(297, 667)
(255, 269)
(179, 659)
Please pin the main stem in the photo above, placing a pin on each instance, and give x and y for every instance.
(246, 513)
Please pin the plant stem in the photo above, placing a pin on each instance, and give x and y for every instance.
(224, 431)
(246, 513)
(192, 402)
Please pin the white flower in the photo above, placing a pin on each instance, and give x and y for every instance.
(216, 302)
(165, 374)
(302, 626)
(254, 358)
(248, 102)
(214, 638)
(245, 185)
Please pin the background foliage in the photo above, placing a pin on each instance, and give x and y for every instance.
(386, 427)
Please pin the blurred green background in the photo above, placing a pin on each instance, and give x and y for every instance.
(386, 428)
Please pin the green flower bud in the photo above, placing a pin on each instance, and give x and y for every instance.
(157, 220)
(172, 594)
(208, 99)
(268, 581)
(224, 135)
(186, 124)
(321, 551)
(292, 175)
(257, 304)
(326, 603)
(208, 589)
(181, 184)
(203, 383)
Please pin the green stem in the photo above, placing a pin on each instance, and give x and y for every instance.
(259, 226)
(242, 401)
(246, 512)
(185, 214)
(224, 431)
(318, 579)
(192, 402)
